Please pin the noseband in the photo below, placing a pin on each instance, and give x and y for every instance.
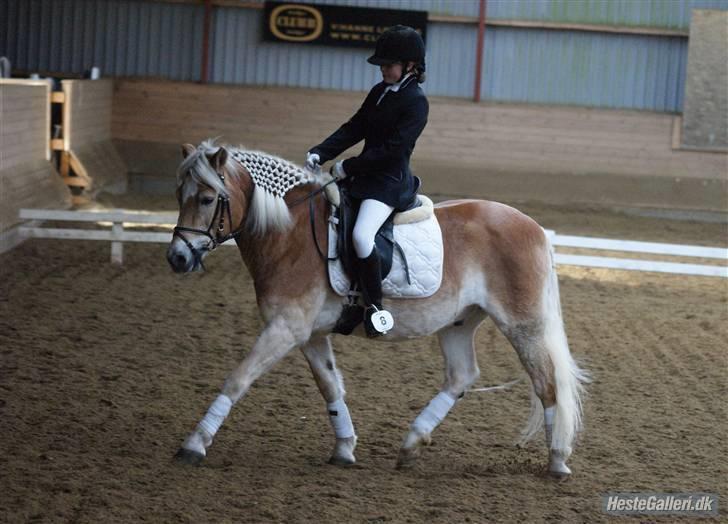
(222, 209)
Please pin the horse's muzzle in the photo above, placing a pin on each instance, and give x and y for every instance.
(180, 260)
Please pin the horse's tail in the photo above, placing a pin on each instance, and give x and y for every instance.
(568, 377)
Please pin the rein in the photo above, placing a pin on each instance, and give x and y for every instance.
(223, 208)
(312, 218)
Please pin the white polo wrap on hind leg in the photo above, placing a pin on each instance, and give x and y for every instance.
(433, 414)
(215, 416)
(548, 424)
(340, 419)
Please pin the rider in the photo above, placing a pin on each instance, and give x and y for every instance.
(390, 120)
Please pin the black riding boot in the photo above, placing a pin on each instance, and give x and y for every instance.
(351, 316)
(370, 279)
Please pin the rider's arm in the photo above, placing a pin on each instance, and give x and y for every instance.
(347, 135)
(394, 150)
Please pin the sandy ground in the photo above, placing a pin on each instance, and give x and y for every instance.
(104, 370)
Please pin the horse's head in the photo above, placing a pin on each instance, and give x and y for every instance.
(225, 191)
(206, 217)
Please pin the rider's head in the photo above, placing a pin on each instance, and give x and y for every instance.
(400, 50)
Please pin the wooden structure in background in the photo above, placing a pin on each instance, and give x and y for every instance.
(505, 152)
(27, 177)
(89, 159)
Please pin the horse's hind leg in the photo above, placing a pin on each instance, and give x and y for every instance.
(461, 370)
(557, 382)
(323, 366)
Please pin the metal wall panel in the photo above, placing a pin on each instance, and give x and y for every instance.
(126, 38)
(241, 57)
(674, 14)
(592, 69)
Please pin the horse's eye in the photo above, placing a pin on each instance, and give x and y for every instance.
(206, 201)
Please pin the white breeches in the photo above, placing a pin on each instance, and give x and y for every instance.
(372, 214)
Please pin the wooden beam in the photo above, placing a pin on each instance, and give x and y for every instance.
(676, 132)
(57, 144)
(111, 215)
(76, 181)
(58, 97)
(561, 26)
(65, 168)
(77, 166)
(66, 115)
(80, 200)
(598, 28)
(117, 248)
(97, 234)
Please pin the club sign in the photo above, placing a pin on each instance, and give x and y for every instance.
(334, 25)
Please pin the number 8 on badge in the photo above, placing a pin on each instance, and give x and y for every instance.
(382, 321)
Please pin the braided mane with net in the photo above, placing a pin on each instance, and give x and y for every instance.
(273, 178)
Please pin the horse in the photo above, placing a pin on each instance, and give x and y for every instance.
(498, 263)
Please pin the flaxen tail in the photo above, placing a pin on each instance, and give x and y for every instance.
(569, 378)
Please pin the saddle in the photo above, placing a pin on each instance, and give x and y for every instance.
(346, 214)
(413, 234)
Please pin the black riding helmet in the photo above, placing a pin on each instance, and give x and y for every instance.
(399, 44)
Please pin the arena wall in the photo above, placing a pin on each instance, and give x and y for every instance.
(87, 117)
(27, 177)
(498, 151)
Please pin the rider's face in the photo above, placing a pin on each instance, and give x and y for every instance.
(391, 73)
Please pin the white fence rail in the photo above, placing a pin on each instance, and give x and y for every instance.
(119, 218)
(631, 246)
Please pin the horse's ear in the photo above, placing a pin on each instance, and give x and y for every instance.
(217, 161)
(187, 150)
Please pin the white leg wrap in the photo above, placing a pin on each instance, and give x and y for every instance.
(433, 414)
(340, 419)
(215, 416)
(548, 424)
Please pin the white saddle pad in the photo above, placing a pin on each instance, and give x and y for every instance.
(422, 245)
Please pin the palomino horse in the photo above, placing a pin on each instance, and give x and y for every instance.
(498, 263)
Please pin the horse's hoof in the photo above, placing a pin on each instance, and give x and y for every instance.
(559, 474)
(189, 457)
(407, 458)
(342, 461)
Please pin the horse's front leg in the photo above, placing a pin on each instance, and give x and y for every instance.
(328, 378)
(461, 370)
(275, 341)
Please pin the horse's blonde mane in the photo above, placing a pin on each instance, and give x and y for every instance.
(198, 167)
(272, 178)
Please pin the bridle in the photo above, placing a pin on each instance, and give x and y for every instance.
(222, 209)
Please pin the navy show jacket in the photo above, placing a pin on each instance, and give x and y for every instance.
(389, 131)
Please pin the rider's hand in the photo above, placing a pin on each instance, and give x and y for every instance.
(337, 170)
(313, 161)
